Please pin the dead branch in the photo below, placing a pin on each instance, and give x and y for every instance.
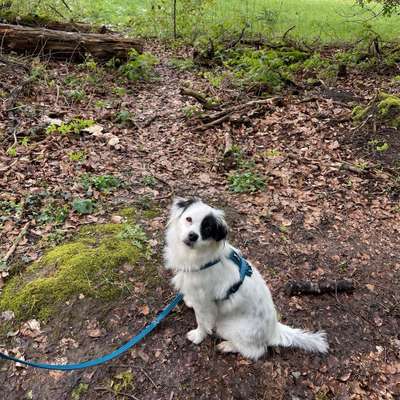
(200, 97)
(224, 115)
(295, 288)
(287, 32)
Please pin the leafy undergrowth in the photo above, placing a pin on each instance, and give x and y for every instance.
(276, 66)
(90, 265)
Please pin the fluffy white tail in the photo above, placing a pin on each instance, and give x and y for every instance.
(293, 337)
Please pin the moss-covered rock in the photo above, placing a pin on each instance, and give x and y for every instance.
(89, 265)
(389, 109)
(385, 109)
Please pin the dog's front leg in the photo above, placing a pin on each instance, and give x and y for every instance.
(206, 315)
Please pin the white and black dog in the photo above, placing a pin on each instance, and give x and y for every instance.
(228, 295)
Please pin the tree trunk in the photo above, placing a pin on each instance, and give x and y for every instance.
(65, 45)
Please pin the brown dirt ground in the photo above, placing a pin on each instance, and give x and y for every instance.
(314, 220)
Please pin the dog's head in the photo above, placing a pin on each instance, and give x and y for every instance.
(196, 224)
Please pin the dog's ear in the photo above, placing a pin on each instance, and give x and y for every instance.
(214, 227)
(180, 205)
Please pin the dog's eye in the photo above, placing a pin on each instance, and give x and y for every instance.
(189, 219)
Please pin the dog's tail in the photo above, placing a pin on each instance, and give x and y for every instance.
(293, 337)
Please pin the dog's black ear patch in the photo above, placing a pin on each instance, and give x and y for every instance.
(184, 204)
(212, 227)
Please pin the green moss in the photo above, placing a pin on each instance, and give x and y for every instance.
(89, 265)
(149, 214)
(129, 213)
(389, 109)
(359, 113)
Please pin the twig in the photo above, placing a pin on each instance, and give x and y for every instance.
(356, 128)
(213, 123)
(235, 42)
(5, 169)
(147, 376)
(16, 241)
(285, 34)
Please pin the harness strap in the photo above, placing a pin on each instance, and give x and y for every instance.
(244, 270)
(209, 264)
(116, 353)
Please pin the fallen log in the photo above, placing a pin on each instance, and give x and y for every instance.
(65, 45)
(59, 26)
(295, 288)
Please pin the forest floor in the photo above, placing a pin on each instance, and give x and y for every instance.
(317, 218)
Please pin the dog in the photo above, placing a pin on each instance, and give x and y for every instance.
(228, 294)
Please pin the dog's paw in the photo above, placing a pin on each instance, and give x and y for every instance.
(196, 335)
(227, 347)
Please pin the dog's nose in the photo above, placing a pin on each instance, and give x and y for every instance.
(193, 236)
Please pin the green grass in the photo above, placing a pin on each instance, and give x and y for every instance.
(327, 21)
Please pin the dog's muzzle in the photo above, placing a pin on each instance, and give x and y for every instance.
(191, 239)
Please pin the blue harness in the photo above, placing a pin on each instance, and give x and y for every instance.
(244, 270)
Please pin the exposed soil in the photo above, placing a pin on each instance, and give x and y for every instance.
(315, 219)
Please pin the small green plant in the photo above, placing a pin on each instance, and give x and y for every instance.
(101, 104)
(137, 236)
(362, 165)
(139, 66)
(191, 111)
(83, 206)
(343, 266)
(89, 64)
(215, 79)
(379, 145)
(38, 71)
(182, 64)
(150, 181)
(77, 95)
(12, 151)
(122, 382)
(383, 147)
(245, 182)
(76, 126)
(145, 203)
(72, 80)
(25, 141)
(77, 156)
(9, 208)
(103, 183)
(271, 153)
(55, 238)
(79, 390)
(119, 91)
(124, 117)
(53, 213)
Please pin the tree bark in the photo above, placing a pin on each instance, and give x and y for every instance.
(65, 45)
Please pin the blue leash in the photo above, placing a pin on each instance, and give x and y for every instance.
(116, 353)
